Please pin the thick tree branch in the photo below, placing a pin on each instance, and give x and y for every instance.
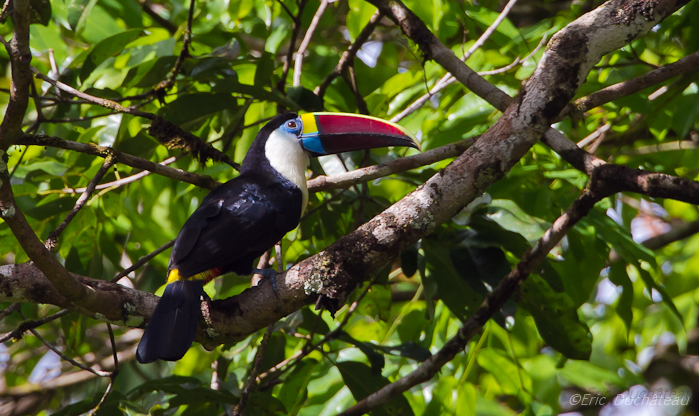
(630, 20)
(333, 273)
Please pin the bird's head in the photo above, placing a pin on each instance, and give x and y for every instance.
(291, 138)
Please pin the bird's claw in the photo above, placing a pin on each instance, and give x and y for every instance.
(268, 274)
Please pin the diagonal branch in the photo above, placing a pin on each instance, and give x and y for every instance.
(203, 181)
(167, 133)
(348, 56)
(184, 54)
(298, 56)
(53, 235)
(20, 57)
(490, 306)
(613, 92)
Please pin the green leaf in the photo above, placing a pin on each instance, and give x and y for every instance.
(651, 285)
(461, 299)
(52, 208)
(193, 106)
(40, 11)
(618, 276)
(685, 115)
(231, 85)
(361, 381)
(503, 369)
(171, 385)
(585, 258)
(106, 48)
(78, 12)
(305, 99)
(556, 318)
(264, 404)
(294, 391)
(408, 260)
(358, 16)
(150, 73)
(376, 359)
(263, 72)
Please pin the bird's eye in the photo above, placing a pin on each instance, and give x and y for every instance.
(291, 124)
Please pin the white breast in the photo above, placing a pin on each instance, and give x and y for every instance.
(287, 157)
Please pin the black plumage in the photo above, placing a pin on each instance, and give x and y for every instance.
(241, 219)
(235, 223)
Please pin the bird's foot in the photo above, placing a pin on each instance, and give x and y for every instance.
(268, 274)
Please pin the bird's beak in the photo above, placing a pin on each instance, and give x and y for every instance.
(330, 133)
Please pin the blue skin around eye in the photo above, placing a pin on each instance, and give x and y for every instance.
(295, 131)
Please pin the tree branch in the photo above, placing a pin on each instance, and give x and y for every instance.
(203, 181)
(292, 44)
(184, 54)
(490, 306)
(613, 92)
(53, 235)
(166, 132)
(298, 59)
(348, 56)
(20, 57)
(344, 180)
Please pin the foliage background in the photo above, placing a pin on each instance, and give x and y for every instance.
(578, 327)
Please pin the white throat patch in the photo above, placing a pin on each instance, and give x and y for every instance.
(287, 157)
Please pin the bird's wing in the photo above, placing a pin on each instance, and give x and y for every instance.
(236, 222)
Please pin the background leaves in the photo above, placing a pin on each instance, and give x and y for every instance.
(589, 320)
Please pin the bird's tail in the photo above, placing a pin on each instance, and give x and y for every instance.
(170, 331)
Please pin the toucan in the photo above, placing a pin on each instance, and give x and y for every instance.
(241, 219)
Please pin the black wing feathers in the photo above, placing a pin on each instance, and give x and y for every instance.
(236, 223)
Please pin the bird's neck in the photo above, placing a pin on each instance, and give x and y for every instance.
(287, 157)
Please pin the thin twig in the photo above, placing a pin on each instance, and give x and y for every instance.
(27, 325)
(148, 8)
(168, 82)
(112, 105)
(296, 30)
(343, 180)
(622, 89)
(143, 260)
(247, 390)
(448, 79)
(3, 13)
(347, 57)
(53, 235)
(113, 184)
(492, 303)
(298, 58)
(7, 311)
(165, 131)
(203, 181)
(99, 373)
(114, 373)
(286, 9)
